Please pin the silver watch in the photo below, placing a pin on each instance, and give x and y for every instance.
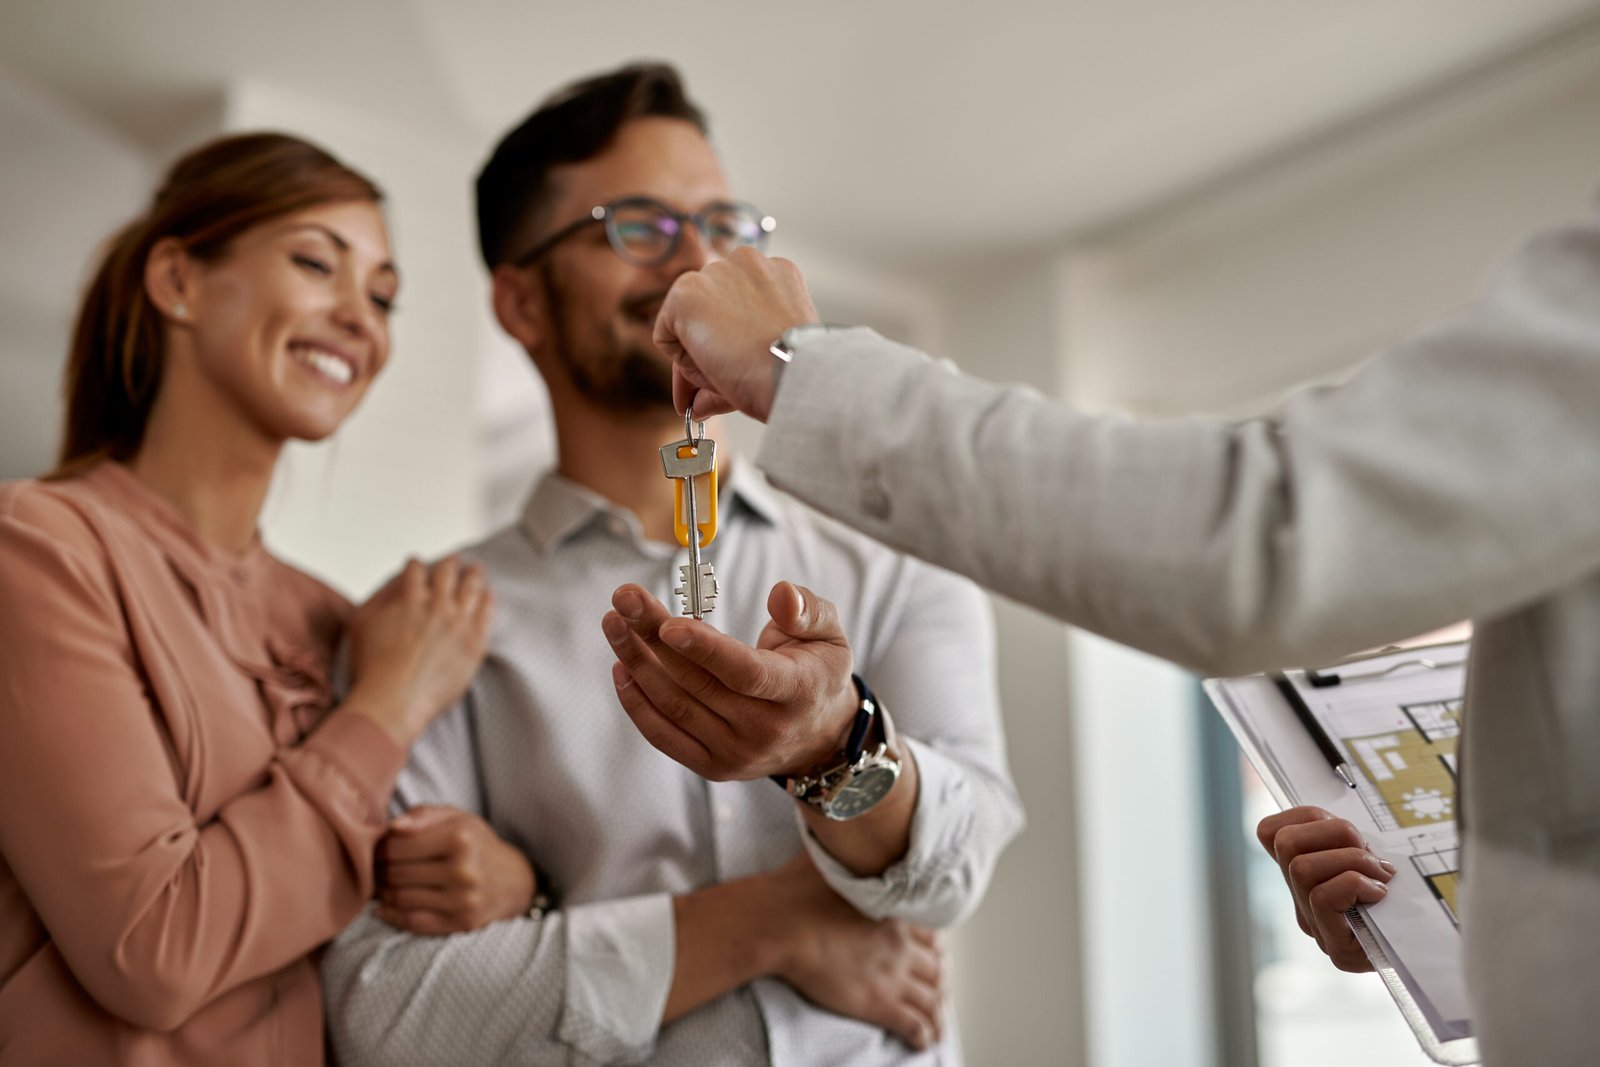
(859, 780)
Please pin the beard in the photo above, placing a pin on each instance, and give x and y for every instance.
(614, 373)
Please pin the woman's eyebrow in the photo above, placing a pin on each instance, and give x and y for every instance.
(339, 242)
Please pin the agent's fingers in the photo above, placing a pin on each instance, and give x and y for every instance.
(1304, 838)
(1267, 829)
(1310, 869)
(1329, 902)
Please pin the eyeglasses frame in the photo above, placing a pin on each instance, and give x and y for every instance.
(603, 213)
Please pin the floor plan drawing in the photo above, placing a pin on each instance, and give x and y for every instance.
(1410, 771)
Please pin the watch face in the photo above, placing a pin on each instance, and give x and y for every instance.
(862, 793)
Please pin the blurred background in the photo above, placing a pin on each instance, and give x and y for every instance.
(1154, 206)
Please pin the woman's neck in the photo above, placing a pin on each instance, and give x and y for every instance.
(211, 466)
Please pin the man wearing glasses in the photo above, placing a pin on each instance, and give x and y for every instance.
(676, 920)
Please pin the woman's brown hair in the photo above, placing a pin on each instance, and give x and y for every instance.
(209, 197)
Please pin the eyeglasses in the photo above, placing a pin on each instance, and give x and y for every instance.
(647, 233)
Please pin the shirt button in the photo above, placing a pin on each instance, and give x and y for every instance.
(724, 811)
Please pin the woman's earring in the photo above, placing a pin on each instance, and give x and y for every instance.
(180, 310)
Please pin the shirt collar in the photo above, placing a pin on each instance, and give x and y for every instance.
(559, 508)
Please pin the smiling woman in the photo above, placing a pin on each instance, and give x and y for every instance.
(184, 813)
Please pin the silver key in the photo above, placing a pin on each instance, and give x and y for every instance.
(699, 579)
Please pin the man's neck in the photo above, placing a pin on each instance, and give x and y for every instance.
(618, 456)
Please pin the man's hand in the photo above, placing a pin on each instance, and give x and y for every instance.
(445, 871)
(718, 324)
(1330, 870)
(726, 710)
(888, 973)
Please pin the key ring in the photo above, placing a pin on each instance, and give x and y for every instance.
(689, 424)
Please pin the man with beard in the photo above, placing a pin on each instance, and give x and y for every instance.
(689, 921)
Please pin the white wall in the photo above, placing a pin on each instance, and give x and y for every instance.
(1018, 961)
(68, 182)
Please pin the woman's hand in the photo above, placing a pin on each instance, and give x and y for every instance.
(416, 644)
(445, 871)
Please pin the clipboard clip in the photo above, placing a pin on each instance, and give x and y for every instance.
(1324, 679)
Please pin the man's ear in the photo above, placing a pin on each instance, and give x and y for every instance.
(521, 305)
(171, 280)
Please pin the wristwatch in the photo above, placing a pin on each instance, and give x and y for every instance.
(783, 349)
(864, 771)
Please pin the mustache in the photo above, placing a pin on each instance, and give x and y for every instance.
(645, 306)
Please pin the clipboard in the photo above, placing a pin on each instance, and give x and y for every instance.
(1393, 715)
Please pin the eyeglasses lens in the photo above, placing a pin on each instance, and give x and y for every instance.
(648, 233)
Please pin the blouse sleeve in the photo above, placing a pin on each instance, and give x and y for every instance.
(155, 913)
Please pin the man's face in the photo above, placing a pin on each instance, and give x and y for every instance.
(601, 310)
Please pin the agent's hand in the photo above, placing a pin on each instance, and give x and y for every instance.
(1330, 870)
(445, 871)
(887, 973)
(726, 710)
(416, 644)
(718, 324)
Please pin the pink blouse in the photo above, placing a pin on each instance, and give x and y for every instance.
(182, 822)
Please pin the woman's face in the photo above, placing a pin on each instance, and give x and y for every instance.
(291, 325)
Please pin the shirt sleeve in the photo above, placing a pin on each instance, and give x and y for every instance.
(157, 914)
(585, 984)
(1453, 477)
(967, 808)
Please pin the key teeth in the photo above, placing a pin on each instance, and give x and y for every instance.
(708, 589)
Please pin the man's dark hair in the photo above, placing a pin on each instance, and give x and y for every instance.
(573, 124)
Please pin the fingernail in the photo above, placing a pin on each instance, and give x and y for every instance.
(620, 676)
(629, 604)
(1386, 865)
(1379, 886)
(677, 637)
(801, 615)
(614, 627)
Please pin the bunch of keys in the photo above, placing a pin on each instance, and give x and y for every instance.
(692, 462)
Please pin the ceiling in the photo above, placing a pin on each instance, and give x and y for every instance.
(893, 132)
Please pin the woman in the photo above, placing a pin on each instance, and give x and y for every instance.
(184, 817)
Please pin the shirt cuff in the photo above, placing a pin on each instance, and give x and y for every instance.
(362, 754)
(913, 887)
(839, 379)
(620, 957)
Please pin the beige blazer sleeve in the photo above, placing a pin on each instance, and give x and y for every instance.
(1456, 476)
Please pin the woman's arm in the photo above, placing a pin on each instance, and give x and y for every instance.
(155, 913)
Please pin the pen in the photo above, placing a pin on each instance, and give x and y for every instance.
(1330, 751)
